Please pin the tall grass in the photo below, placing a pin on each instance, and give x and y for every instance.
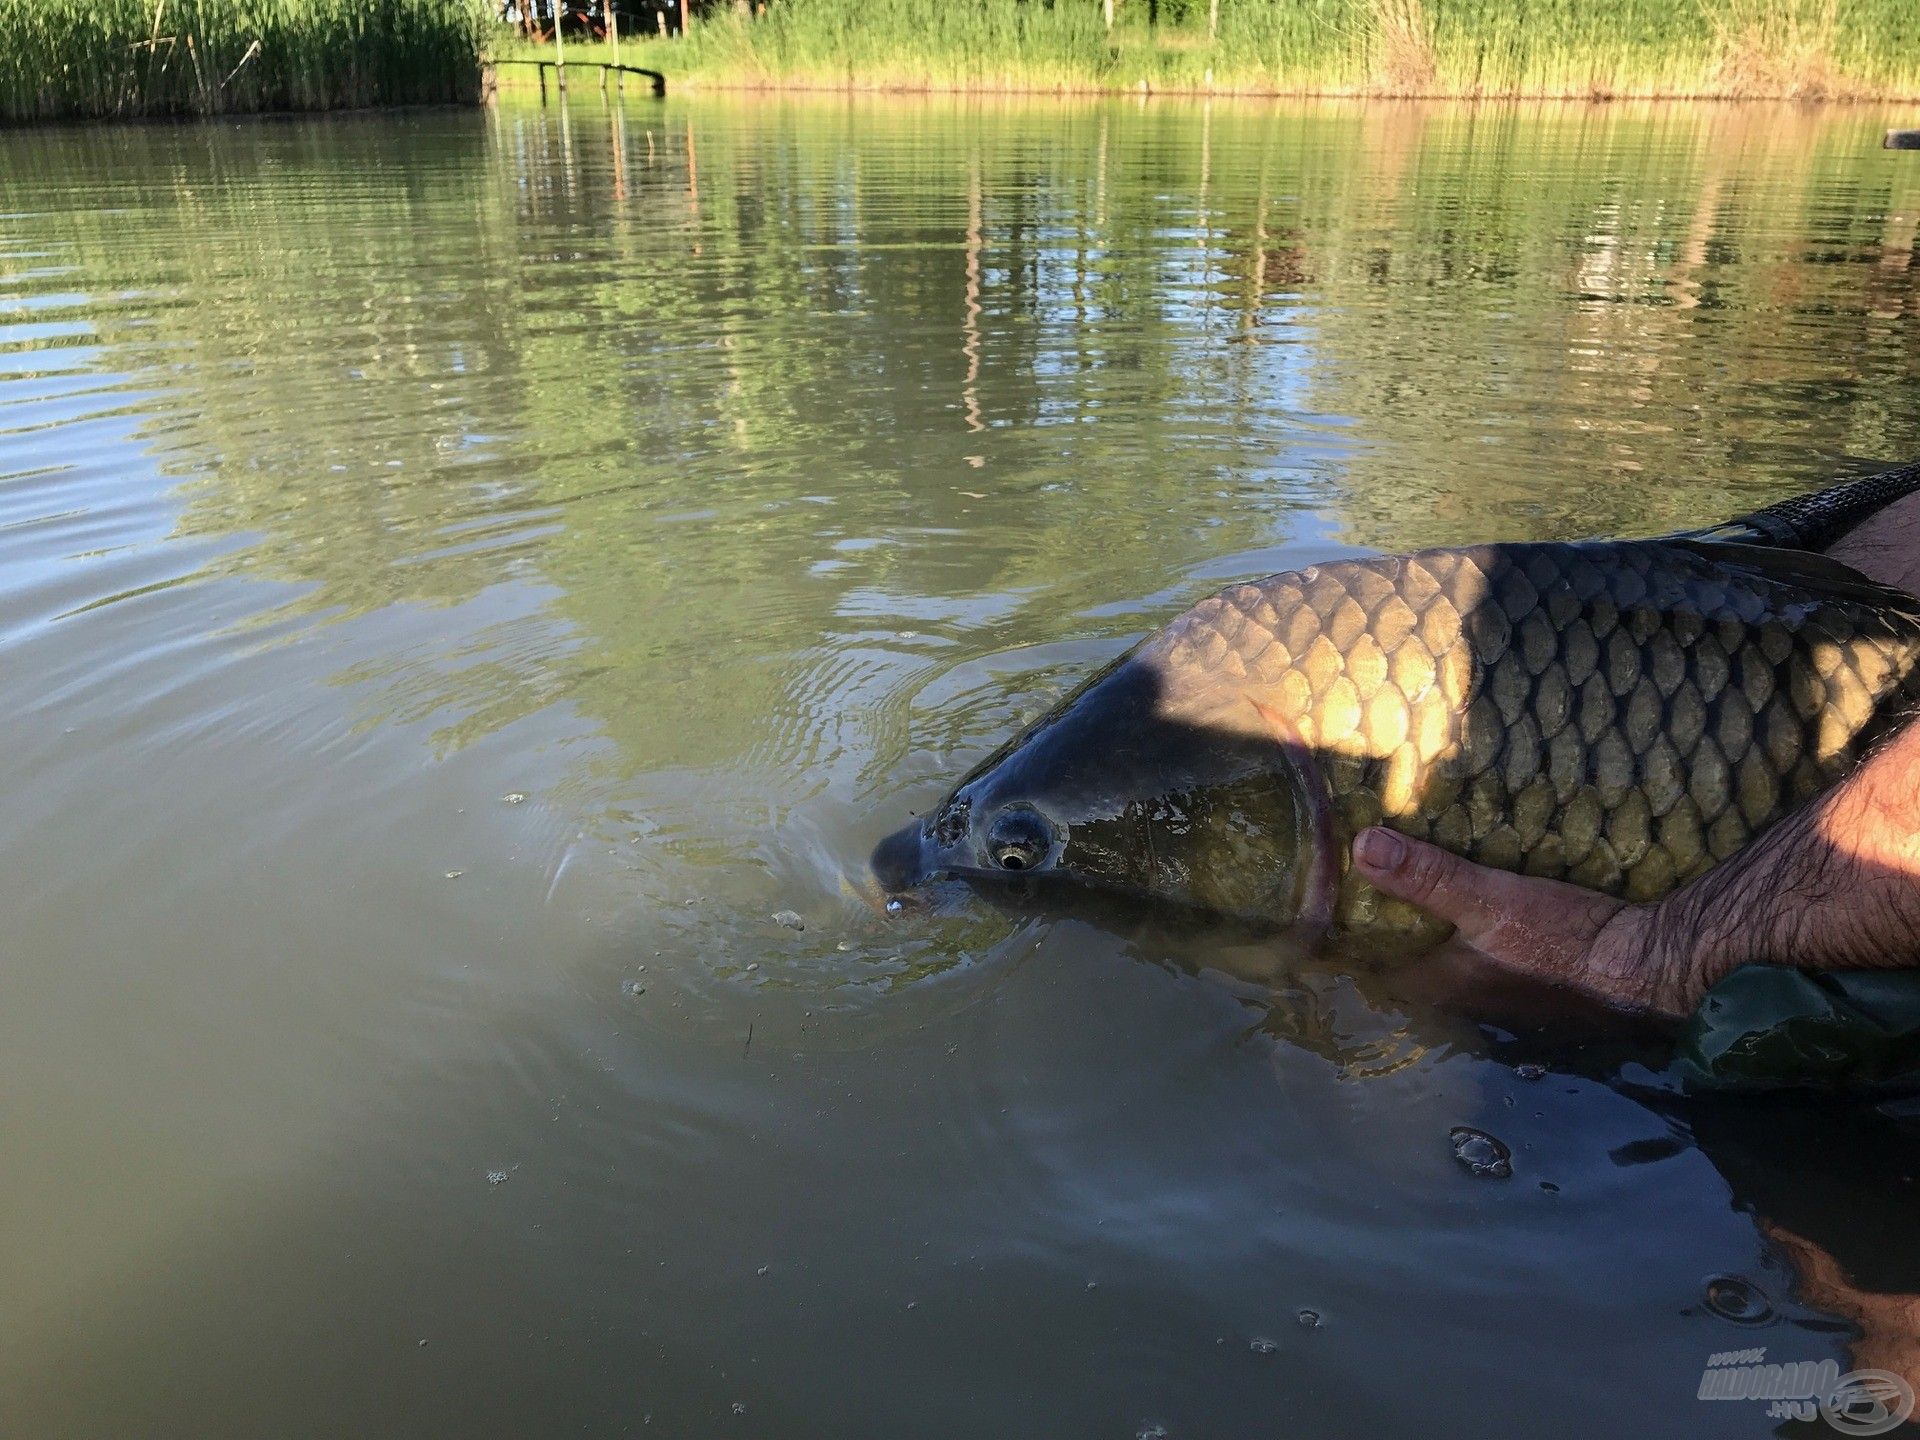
(83, 58)
(1560, 48)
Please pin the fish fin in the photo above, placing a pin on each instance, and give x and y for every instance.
(1823, 574)
(1320, 876)
(1815, 521)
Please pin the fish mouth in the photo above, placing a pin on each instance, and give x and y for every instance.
(908, 875)
(899, 862)
(865, 889)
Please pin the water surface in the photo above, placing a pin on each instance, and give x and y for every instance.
(461, 576)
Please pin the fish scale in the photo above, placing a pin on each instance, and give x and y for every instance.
(1617, 714)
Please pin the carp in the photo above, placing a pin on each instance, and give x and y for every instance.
(1621, 714)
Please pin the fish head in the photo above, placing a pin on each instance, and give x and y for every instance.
(1137, 783)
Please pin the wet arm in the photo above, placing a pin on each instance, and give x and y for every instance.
(1834, 886)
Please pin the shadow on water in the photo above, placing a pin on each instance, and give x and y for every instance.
(1827, 1175)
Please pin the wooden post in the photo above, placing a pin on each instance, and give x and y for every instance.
(540, 69)
(613, 34)
(683, 19)
(1213, 20)
(559, 54)
(1106, 12)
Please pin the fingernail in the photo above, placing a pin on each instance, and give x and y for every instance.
(1379, 849)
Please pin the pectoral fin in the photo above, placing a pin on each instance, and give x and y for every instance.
(1321, 862)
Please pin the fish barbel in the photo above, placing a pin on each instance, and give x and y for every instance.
(1620, 714)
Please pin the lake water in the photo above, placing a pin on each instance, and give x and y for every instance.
(462, 575)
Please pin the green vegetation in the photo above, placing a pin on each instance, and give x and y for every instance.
(77, 58)
(1559, 48)
(83, 58)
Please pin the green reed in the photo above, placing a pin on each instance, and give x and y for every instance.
(1731, 48)
(77, 58)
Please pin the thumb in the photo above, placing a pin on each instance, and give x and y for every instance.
(1471, 898)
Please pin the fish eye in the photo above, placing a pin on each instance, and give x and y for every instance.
(1019, 839)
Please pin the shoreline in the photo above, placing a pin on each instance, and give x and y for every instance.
(1144, 91)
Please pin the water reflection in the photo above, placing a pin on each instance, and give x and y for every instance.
(723, 477)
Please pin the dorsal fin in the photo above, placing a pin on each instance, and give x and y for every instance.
(1820, 574)
(1813, 522)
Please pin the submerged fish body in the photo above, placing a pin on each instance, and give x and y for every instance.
(1620, 714)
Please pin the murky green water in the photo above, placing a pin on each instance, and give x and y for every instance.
(460, 576)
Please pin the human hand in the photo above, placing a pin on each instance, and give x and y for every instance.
(1544, 929)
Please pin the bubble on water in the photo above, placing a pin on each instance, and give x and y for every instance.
(1262, 1345)
(1734, 1298)
(1150, 1432)
(789, 918)
(894, 907)
(513, 797)
(739, 1407)
(1530, 1071)
(763, 1270)
(1309, 1319)
(1481, 1153)
(455, 874)
(633, 989)
(496, 1177)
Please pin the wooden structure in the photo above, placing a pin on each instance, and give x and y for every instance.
(560, 68)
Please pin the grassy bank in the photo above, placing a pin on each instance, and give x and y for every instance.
(1752, 49)
(127, 58)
